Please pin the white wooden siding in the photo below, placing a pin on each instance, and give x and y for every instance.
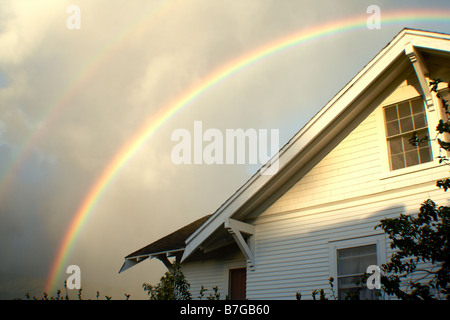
(343, 197)
(204, 273)
(211, 273)
(291, 249)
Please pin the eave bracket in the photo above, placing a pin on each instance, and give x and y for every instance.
(421, 71)
(236, 228)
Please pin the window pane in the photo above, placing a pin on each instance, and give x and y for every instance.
(356, 260)
(395, 145)
(404, 109)
(364, 293)
(417, 106)
(423, 138)
(390, 113)
(356, 251)
(406, 124)
(419, 121)
(425, 154)
(348, 282)
(407, 143)
(347, 286)
(392, 128)
(398, 161)
(342, 293)
(412, 158)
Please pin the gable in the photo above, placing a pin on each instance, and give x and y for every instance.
(358, 165)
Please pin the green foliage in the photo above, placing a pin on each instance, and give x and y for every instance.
(172, 286)
(444, 184)
(212, 296)
(422, 238)
(45, 295)
(215, 295)
(202, 292)
(320, 292)
(443, 129)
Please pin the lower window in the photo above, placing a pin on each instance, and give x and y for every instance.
(352, 263)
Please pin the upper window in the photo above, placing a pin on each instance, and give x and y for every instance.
(407, 134)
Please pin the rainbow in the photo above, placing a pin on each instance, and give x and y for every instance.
(165, 113)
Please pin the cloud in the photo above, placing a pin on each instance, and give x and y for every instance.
(77, 96)
(24, 26)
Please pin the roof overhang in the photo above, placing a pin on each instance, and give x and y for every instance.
(327, 128)
(169, 246)
(163, 256)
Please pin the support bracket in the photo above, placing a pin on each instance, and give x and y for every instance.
(236, 228)
(421, 71)
(163, 258)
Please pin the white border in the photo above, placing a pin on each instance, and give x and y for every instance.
(333, 246)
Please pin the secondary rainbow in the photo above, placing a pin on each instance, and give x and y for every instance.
(168, 111)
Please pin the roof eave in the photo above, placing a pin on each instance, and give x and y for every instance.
(134, 260)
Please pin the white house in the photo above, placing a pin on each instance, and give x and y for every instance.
(349, 167)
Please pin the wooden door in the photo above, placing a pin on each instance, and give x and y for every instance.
(237, 284)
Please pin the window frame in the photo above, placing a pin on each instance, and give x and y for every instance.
(403, 137)
(432, 118)
(335, 245)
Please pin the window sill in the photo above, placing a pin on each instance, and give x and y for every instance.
(408, 170)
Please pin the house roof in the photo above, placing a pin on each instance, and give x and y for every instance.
(172, 243)
(326, 128)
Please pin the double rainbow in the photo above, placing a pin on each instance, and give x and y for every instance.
(166, 112)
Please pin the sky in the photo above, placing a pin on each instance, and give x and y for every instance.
(71, 99)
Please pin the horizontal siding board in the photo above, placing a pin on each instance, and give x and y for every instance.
(209, 274)
(295, 284)
(292, 264)
(410, 201)
(344, 196)
(289, 291)
(288, 236)
(317, 222)
(285, 277)
(304, 258)
(292, 249)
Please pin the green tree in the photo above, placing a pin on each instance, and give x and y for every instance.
(172, 286)
(421, 238)
(424, 238)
